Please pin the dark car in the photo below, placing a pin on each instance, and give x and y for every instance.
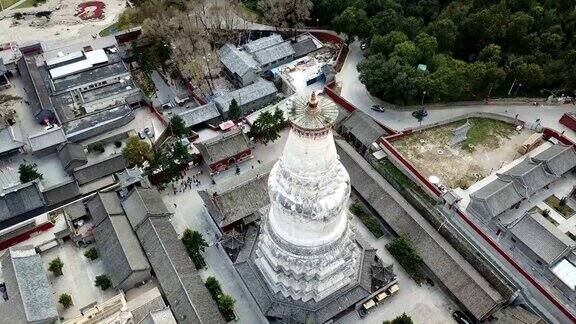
(378, 108)
(419, 113)
(461, 318)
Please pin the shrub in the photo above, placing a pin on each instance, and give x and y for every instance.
(28, 172)
(213, 287)
(55, 266)
(117, 143)
(97, 147)
(103, 282)
(194, 243)
(65, 300)
(367, 219)
(91, 254)
(402, 250)
(226, 305)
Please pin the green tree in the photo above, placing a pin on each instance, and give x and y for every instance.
(136, 151)
(226, 305)
(386, 44)
(91, 254)
(445, 32)
(427, 45)
(65, 300)
(234, 111)
(195, 244)
(28, 172)
(213, 287)
(158, 160)
(402, 319)
(268, 126)
(491, 53)
(352, 22)
(181, 154)
(103, 282)
(55, 266)
(177, 126)
(408, 52)
(402, 250)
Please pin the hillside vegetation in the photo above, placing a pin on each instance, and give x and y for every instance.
(440, 50)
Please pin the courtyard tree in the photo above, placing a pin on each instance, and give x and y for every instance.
(55, 266)
(28, 172)
(226, 305)
(195, 244)
(352, 22)
(103, 282)
(177, 126)
(402, 250)
(91, 254)
(136, 151)
(402, 319)
(268, 126)
(65, 300)
(180, 153)
(213, 287)
(234, 111)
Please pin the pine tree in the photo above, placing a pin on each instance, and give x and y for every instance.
(234, 111)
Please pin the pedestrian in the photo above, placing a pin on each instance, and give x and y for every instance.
(175, 206)
(259, 162)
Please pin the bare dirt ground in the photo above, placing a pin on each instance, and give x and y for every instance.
(63, 25)
(493, 143)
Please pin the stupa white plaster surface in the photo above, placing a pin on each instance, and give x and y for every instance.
(306, 248)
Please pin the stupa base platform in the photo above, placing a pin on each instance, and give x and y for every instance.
(278, 308)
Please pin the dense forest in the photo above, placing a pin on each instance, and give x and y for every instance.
(441, 50)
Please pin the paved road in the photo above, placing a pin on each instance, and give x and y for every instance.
(355, 92)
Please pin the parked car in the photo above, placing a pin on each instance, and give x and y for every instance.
(378, 108)
(461, 318)
(149, 132)
(142, 135)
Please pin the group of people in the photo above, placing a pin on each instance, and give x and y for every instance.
(186, 183)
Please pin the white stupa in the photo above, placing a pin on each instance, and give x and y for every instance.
(306, 248)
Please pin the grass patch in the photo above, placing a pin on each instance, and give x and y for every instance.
(486, 132)
(389, 170)
(7, 3)
(561, 207)
(109, 30)
(30, 3)
(367, 218)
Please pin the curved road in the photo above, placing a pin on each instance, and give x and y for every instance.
(355, 92)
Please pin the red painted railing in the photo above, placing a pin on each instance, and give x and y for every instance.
(24, 235)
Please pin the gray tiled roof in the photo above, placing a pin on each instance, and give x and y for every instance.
(542, 237)
(104, 205)
(223, 146)
(61, 192)
(237, 61)
(494, 198)
(530, 175)
(181, 283)
(456, 274)
(47, 139)
(29, 293)
(197, 115)
(20, 199)
(363, 127)
(70, 152)
(262, 43)
(558, 159)
(76, 210)
(246, 95)
(142, 203)
(145, 303)
(96, 170)
(161, 316)
(239, 196)
(274, 53)
(11, 138)
(304, 46)
(119, 248)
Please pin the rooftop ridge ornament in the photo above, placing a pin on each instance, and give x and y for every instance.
(313, 104)
(313, 116)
